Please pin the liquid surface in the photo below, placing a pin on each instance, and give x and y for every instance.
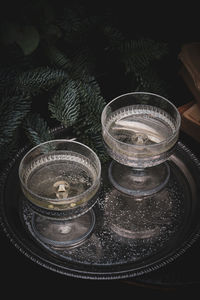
(59, 176)
(140, 125)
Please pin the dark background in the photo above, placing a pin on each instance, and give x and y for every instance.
(162, 22)
(20, 276)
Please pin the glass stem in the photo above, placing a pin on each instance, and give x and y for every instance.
(138, 172)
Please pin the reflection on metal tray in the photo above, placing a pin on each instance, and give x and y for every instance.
(131, 237)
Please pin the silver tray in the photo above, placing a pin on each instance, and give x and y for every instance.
(162, 227)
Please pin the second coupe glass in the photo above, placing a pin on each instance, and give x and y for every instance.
(140, 131)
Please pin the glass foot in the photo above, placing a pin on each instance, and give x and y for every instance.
(138, 182)
(138, 218)
(61, 232)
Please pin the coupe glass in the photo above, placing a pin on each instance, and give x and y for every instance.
(140, 131)
(60, 179)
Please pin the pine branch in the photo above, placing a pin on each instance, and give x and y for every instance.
(8, 149)
(114, 37)
(57, 58)
(35, 81)
(92, 104)
(13, 111)
(83, 63)
(78, 65)
(90, 94)
(70, 21)
(88, 126)
(150, 81)
(65, 104)
(7, 76)
(36, 129)
(12, 70)
(77, 27)
(137, 55)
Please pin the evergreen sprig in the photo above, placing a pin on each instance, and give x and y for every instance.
(38, 80)
(137, 55)
(65, 104)
(141, 59)
(57, 58)
(10, 148)
(70, 21)
(92, 104)
(83, 63)
(13, 111)
(150, 81)
(36, 129)
(113, 36)
(88, 125)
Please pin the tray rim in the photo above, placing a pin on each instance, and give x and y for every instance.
(67, 271)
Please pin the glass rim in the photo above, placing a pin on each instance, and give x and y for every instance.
(142, 146)
(67, 200)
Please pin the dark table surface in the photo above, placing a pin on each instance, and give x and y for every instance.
(20, 276)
